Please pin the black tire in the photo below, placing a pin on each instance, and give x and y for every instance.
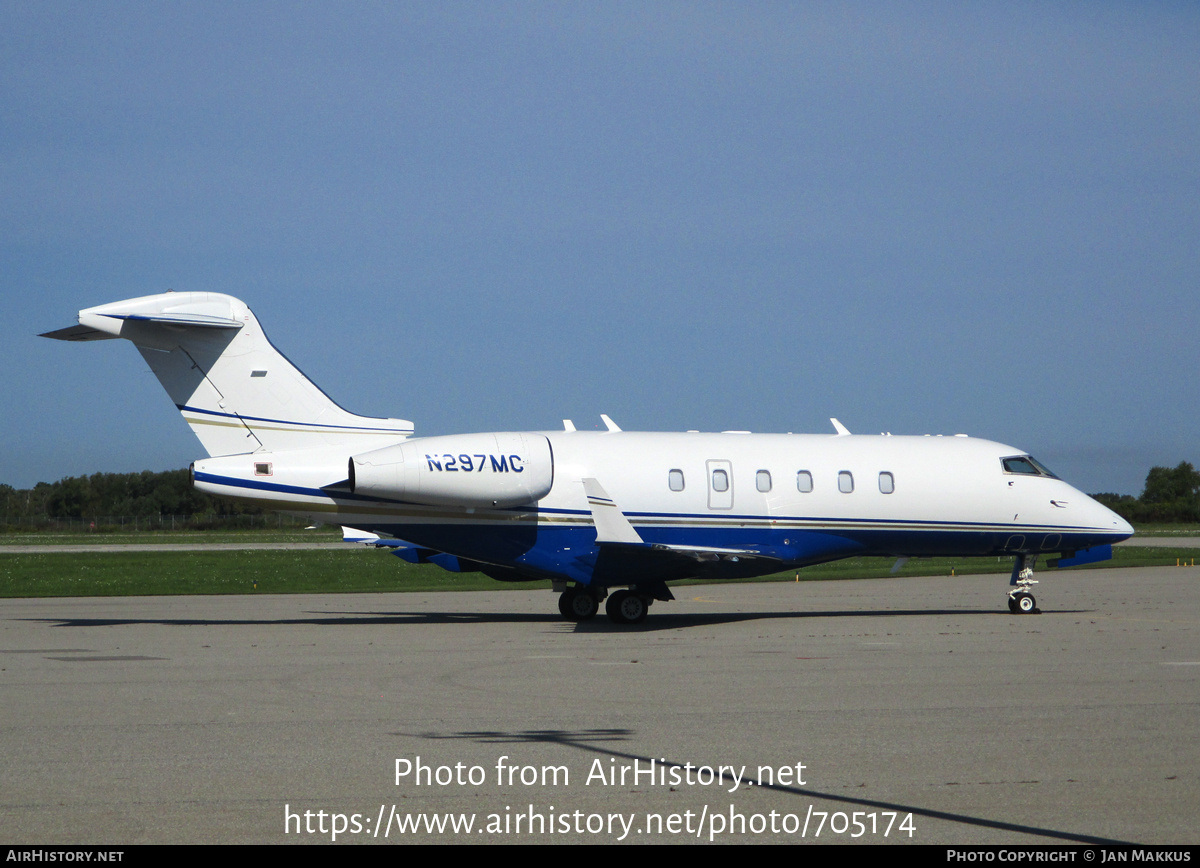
(577, 605)
(627, 607)
(1025, 604)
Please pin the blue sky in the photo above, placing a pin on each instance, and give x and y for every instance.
(919, 218)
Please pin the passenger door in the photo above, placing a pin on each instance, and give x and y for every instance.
(720, 484)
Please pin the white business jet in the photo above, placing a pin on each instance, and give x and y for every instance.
(591, 511)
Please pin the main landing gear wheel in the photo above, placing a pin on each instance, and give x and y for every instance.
(627, 607)
(577, 605)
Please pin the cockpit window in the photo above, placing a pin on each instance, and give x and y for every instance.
(1025, 464)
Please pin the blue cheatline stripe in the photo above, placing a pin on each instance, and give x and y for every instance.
(723, 523)
(184, 408)
(262, 485)
(725, 519)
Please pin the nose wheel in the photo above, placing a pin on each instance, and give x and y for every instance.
(1020, 600)
(1022, 604)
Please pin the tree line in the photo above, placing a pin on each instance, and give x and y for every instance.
(140, 495)
(1171, 494)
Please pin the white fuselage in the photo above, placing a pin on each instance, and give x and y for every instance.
(797, 499)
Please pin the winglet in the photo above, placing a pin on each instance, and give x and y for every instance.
(611, 524)
(841, 429)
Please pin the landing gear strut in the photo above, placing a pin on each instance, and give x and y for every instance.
(1020, 600)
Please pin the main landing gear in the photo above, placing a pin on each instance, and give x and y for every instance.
(578, 604)
(627, 607)
(1020, 600)
(622, 607)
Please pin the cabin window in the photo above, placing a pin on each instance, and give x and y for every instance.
(804, 481)
(762, 480)
(675, 480)
(887, 483)
(845, 482)
(720, 480)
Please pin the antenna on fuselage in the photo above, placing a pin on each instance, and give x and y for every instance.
(841, 429)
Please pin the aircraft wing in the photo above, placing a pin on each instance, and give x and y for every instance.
(614, 529)
(711, 553)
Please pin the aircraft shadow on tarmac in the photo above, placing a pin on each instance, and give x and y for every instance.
(593, 741)
(666, 621)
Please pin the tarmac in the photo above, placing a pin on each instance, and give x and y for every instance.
(884, 711)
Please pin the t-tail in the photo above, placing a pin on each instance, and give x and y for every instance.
(237, 392)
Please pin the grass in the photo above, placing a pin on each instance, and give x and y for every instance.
(153, 537)
(364, 570)
(219, 572)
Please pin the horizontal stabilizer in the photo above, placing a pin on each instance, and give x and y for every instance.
(237, 392)
(78, 333)
(198, 320)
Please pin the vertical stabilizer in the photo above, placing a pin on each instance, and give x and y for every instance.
(237, 392)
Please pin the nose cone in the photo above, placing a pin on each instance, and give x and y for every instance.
(1108, 522)
(1123, 527)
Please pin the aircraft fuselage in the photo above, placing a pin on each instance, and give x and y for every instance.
(793, 499)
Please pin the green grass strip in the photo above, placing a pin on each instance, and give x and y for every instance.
(364, 570)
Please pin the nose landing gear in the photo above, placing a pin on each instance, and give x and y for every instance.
(1020, 600)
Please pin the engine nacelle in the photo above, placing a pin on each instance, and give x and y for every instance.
(471, 470)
